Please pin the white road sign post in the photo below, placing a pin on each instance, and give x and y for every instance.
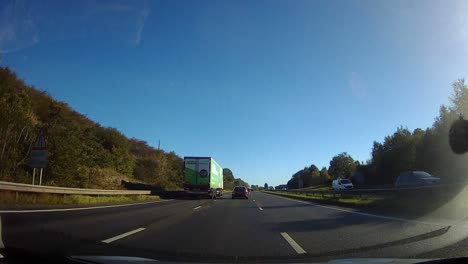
(39, 156)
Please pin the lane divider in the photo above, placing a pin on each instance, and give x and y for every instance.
(112, 239)
(259, 207)
(196, 208)
(77, 209)
(293, 244)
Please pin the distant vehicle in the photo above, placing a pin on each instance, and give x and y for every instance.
(240, 191)
(271, 188)
(203, 177)
(416, 178)
(342, 184)
(250, 190)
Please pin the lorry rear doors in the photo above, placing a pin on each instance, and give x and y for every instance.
(197, 170)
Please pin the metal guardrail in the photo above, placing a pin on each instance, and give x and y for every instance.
(20, 187)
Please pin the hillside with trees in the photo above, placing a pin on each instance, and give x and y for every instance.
(229, 180)
(404, 150)
(82, 153)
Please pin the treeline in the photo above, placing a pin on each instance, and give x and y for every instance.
(421, 149)
(229, 180)
(309, 176)
(82, 153)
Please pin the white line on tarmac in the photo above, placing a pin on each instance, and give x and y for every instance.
(364, 214)
(261, 209)
(76, 209)
(112, 239)
(293, 243)
(196, 208)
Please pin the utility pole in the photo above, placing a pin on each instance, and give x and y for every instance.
(159, 144)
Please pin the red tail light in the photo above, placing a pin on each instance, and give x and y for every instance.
(246, 191)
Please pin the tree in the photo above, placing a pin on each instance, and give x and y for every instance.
(315, 175)
(341, 166)
(459, 98)
(309, 176)
(17, 126)
(265, 186)
(228, 179)
(324, 176)
(255, 187)
(240, 182)
(422, 149)
(81, 152)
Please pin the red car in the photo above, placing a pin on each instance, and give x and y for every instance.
(240, 191)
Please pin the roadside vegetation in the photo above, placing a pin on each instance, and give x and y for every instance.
(323, 187)
(405, 150)
(229, 180)
(7, 198)
(82, 153)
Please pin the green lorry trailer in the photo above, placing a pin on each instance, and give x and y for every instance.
(203, 177)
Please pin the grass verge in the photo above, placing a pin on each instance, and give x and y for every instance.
(318, 188)
(11, 198)
(342, 201)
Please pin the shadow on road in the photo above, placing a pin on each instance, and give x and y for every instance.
(448, 202)
(444, 202)
(330, 221)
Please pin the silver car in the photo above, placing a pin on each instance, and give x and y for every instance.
(416, 178)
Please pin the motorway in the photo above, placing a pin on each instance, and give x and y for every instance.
(263, 228)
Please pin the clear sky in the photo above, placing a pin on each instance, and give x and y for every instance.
(264, 87)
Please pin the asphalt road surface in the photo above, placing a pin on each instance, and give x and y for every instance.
(263, 228)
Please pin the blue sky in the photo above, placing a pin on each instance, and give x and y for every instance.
(265, 87)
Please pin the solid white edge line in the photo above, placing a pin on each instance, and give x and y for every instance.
(292, 243)
(198, 207)
(1, 256)
(1, 241)
(112, 239)
(363, 214)
(77, 209)
(261, 209)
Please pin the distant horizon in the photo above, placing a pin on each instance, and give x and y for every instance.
(265, 88)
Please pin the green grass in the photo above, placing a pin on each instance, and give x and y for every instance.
(59, 199)
(328, 199)
(84, 199)
(318, 188)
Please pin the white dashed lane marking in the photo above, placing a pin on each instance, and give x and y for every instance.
(293, 243)
(112, 239)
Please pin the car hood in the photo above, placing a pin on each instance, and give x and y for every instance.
(125, 259)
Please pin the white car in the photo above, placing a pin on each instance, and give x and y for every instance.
(342, 184)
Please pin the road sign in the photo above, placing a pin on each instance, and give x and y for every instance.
(40, 143)
(38, 158)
